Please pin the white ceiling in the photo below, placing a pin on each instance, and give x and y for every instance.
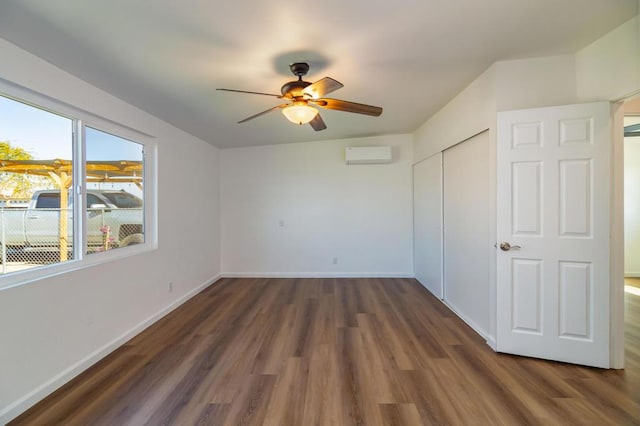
(409, 56)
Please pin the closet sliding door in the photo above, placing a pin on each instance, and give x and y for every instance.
(427, 223)
(466, 230)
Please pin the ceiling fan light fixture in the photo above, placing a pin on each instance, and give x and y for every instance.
(299, 94)
(300, 113)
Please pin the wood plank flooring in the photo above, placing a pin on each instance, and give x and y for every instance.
(334, 352)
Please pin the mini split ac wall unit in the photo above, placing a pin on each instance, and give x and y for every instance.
(367, 154)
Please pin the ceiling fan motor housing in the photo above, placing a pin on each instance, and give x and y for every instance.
(295, 87)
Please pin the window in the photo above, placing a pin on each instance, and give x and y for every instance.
(36, 149)
(41, 170)
(114, 171)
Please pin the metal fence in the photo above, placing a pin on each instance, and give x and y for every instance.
(31, 238)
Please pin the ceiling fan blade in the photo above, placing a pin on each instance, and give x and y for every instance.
(322, 87)
(318, 123)
(339, 105)
(251, 93)
(262, 113)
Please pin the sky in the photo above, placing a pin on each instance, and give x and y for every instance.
(44, 135)
(48, 136)
(104, 146)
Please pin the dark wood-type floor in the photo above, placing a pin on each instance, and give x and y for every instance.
(334, 352)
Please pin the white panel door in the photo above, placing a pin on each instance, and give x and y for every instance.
(467, 244)
(427, 223)
(553, 211)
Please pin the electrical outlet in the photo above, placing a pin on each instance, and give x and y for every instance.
(335, 260)
(281, 223)
(170, 286)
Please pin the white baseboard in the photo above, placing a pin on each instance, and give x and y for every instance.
(317, 275)
(468, 321)
(632, 274)
(492, 343)
(19, 406)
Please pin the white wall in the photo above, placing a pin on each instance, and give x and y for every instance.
(52, 328)
(288, 210)
(609, 68)
(535, 82)
(506, 85)
(632, 203)
(469, 113)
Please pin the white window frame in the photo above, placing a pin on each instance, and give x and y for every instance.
(82, 119)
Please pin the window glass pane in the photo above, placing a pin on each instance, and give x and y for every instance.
(35, 170)
(93, 201)
(114, 175)
(48, 201)
(124, 200)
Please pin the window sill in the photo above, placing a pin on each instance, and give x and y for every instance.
(19, 278)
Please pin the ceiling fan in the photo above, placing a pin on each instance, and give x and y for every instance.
(303, 96)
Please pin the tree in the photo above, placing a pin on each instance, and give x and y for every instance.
(10, 152)
(17, 185)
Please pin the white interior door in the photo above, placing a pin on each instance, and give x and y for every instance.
(553, 208)
(427, 223)
(466, 231)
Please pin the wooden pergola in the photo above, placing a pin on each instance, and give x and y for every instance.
(61, 172)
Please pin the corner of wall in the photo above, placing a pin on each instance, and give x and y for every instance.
(219, 208)
(609, 68)
(472, 111)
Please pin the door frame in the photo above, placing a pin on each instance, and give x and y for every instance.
(617, 237)
(617, 233)
(617, 230)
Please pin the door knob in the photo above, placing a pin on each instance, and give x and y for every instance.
(506, 246)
